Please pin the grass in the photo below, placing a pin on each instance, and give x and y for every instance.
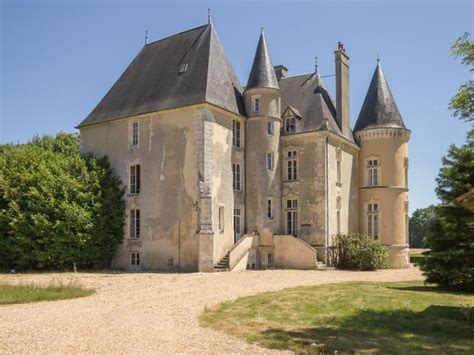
(351, 317)
(55, 290)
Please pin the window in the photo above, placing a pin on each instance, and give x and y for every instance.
(135, 129)
(236, 224)
(183, 68)
(236, 177)
(236, 133)
(373, 172)
(339, 166)
(290, 124)
(221, 218)
(291, 217)
(405, 163)
(134, 179)
(134, 258)
(407, 223)
(292, 169)
(269, 209)
(373, 219)
(291, 204)
(270, 259)
(134, 224)
(338, 215)
(270, 128)
(256, 103)
(270, 161)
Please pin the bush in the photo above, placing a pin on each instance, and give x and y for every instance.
(357, 251)
(57, 208)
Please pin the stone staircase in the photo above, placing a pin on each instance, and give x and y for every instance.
(223, 264)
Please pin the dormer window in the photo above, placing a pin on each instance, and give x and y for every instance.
(256, 103)
(183, 68)
(290, 125)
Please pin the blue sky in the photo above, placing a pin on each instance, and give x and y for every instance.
(58, 58)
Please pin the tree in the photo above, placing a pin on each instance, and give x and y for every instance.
(420, 221)
(463, 102)
(57, 208)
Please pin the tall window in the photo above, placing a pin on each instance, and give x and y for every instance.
(134, 258)
(134, 224)
(291, 166)
(135, 130)
(221, 218)
(236, 177)
(290, 124)
(292, 217)
(270, 161)
(339, 166)
(236, 224)
(256, 103)
(405, 163)
(338, 215)
(372, 172)
(134, 179)
(236, 133)
(270, 128)
(373, 219)
(269, 209)
(407, 223)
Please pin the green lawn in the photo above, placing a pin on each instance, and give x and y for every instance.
(352, 317)
(11, 294)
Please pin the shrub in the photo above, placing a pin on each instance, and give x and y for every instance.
(57, 208)
(358, 251)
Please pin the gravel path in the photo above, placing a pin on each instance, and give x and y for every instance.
(149, 312)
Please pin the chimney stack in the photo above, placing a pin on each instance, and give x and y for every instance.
(281, 71)
(342, 90)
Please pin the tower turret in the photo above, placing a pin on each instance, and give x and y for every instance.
(262, 103)
(383, 170)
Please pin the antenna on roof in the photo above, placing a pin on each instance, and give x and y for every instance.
(209, 15)
(146, 37)
(316, 65)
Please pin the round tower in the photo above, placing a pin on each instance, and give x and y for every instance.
(263, 178)
(383, 170)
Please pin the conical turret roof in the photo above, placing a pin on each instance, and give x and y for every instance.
(379, 109)
(262, 74)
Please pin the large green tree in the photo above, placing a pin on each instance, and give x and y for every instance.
(57, 208)
(420, 222)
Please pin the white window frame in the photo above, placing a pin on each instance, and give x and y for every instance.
(290, 124)
(256, 103)
(134, 223)
(236, 177)
(134, 134)
(405, 163)
(339, 166)
(270, 161)
(373, 219)
(237, 224)
(135, 258)
(373, 172)
(292, 216)
(338, 214)
(270, 128)
(134, 179)
(291, 165)
(236, 133)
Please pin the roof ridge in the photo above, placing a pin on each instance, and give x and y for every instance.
(175, 34)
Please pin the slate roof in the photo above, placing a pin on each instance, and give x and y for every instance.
(379, 109)
(153, 82)
(262, 74)
(308, 94)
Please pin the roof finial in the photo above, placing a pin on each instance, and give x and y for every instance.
(261, 30)
(378, 59)
(316, 65)
(146, 37)
(209, 15)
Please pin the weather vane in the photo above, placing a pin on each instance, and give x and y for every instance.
(316, 64)
(146, 37)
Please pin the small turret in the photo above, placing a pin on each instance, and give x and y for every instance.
(383, 170)
(263, 179)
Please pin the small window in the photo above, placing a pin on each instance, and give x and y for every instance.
(405, 164)
(134, 186)
(135, 130)
(170, 262)
(269, 209)
(134, 259)
(291, 204)
(183, 68)
(221, 218)
(373, 172)
(236, 177)
(270, 259)
(256, 104)
(270, 128)
(270, 161)
(339, 166)
(134, 224)
(338, 226)
(338, 202)
(290, 125)
(236, 133)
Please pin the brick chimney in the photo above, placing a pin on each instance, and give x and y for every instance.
(281, 71)
(342, 90)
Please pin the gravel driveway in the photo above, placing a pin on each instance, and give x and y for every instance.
(149, 312)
